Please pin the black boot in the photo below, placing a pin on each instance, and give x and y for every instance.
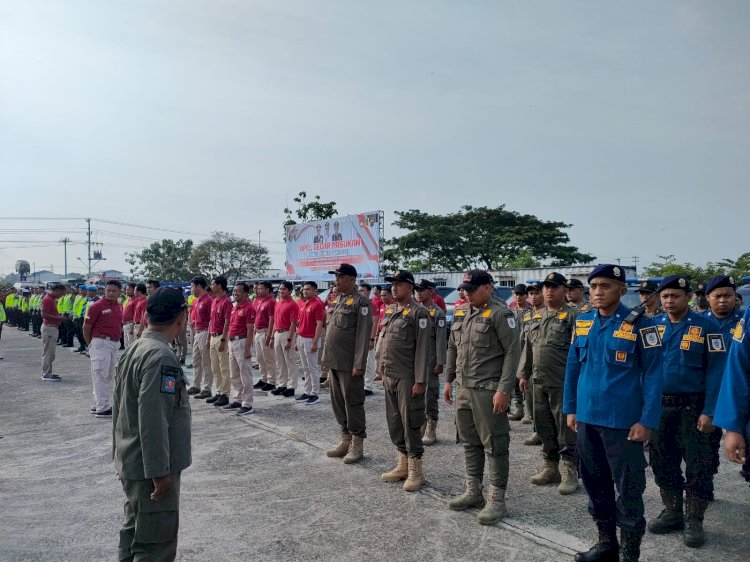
(606, 549)
(630, 546)
(693, 535)
(671, 518)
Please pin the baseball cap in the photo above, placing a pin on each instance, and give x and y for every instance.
(164, 304)
(556, 279)
(345, 269)
(475, 278)
(424, 284)
(648, 287)
(574, 284)
(534, 286)
(401, 275)
(519, 289)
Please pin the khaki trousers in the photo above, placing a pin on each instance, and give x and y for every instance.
(103, 354)
(266, 357)
(404, 414)
(202, 374)
(286, 360)
(241, 373)
(310, 367)
(49, 347)
(127, 333)
(348, 401)
(220, 365)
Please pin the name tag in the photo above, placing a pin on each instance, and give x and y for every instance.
(107, 311)
(693, 338)
(624, 335)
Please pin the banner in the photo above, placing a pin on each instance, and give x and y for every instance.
(315, 248)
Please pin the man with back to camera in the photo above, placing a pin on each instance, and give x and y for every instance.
(102, 329)
(612, 398)
(151, 432)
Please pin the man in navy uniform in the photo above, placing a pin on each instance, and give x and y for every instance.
(613, 386)
(733, 405)
(694, 357)
(722, 296)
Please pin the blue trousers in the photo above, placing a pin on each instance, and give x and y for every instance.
(608, 462)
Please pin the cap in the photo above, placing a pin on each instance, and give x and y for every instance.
(475, 278)
(401, 275)
(534, 286)
(648, 287)
(345, 269)
(164, 304)
(700, 289)
(574, 284)
(424, 284)
(718, 282)
(555, 279)
(519, 289)
(674, 282)
(608, 271)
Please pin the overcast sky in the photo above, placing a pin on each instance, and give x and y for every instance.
(629, 120)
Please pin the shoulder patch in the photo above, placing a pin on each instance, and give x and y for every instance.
(739, 331)
(486, 313)
(716, 343)
(511, 321)
(441, 322)
(389, 310)
(432, 312)
(364, 311)
(169, 379)
(460, 313)
(527, 317)
(650, 337)
(422, 323)
(563, 316)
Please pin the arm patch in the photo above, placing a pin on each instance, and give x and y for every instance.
(169, 379)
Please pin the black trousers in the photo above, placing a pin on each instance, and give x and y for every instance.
(608, 462)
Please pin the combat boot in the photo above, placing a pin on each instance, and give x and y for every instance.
(630, 546)
(342, 448)
(569, 483)
(430, 436)
(495, 509)
(606, 550)
(549, 473)
(693, 535)
(416, 478)
(472, 497)
(355, 450)
(527, 416)
(517, 411)
(671, 518)
(400, 472)
(532, 439)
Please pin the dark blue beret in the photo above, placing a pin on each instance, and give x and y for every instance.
(674, 282)
(609, 271)
(718, 282)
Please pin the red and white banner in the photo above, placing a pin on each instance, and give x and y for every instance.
(315, 248)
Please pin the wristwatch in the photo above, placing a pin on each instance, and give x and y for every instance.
(289, 339)
(223, 339)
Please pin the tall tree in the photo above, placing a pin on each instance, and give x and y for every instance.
(492, 238)
(166, 261)
(307, 211)
(668, 265)
(231, 256)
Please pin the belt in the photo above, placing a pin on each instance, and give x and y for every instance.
(235, 338)
(127, 324)
(104, 338)
(197, 331)
(261, 329)
(216, 334)
(281, 331)
(682, 399)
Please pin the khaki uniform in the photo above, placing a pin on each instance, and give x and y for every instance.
(438, 352)
(151, 438)
(347, 340)
(544, 355)
(583, 307)
(483, 358)
(527, 320)
(404, 359)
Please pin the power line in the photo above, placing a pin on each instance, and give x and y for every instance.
(152, 227)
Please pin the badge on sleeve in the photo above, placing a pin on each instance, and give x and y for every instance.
(169, 379)
(422, 323)
(716, 343)
(512, 322)
(441, 323)
(739, 331)
(650, 337)
(364, 311)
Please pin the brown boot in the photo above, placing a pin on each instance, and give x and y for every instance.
(548, 474)
(342, 448)
(533, 439)
(355, 450)
(569, 483)
(416, 478)
(430, 437)
(400, 472)
(423, 429)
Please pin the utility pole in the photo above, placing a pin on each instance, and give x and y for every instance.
(88, 244)
(635, 262)
(259, 238)
(65, 241)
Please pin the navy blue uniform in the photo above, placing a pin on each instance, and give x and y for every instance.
(694, 358)
(613, 381)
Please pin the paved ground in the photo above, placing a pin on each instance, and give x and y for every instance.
(260, 487)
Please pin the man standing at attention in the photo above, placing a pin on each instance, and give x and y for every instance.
(218, 328)
(265, 305)
(102, 330)
(311, 316)
(285, 319)
(241, 328)
(51, 320)
(151, 432)
(348, 332)
(203, 378)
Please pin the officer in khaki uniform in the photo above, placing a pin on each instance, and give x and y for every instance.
(576, 297)
(151, 432)
(348, 326)
(482, 358)
(528, 319)
(544, 355)
(404, 362)
(438, 351)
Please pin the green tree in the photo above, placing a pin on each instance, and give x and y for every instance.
(491, 238)
(307, 211)
(166, 261)
(668, 265)
(229, 255)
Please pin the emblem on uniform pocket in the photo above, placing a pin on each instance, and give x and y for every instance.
(422, 323)
(685, 345)
(621, 356)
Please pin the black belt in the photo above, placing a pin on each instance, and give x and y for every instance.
(235, 338)
(281, 331)
(216, 334)
(683, 399)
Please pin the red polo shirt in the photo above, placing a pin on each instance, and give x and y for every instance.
(310, 313)
(105, 319)
(201, 312)
(285, 314)
(264, 309)
(49, 306)
(129, 312)
(243, 315)
(221, 309)
(140, 310)
(377, 302)
(438, 300)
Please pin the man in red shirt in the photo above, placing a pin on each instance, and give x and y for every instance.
(285, 318)
(241, 327)
(51, 321)
(376, 300)
(139, 308)
(364, 290)
(200, 319)
(128, 313)
(265, 305)
(102, 330)
(437, 299)
(309, 333)
(520, 300)
(218, 329)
